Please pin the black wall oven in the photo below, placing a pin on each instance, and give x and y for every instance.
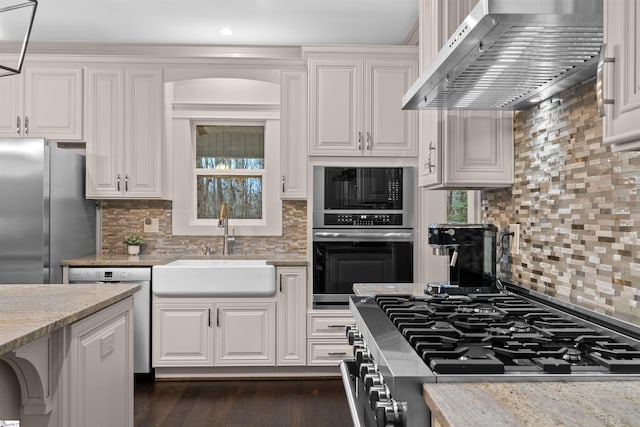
(344, 257)
(362, 230)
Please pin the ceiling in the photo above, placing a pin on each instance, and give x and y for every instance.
(253, 22)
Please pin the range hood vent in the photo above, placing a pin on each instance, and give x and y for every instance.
(511, 54)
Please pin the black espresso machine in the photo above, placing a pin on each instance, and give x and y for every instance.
(471, 249)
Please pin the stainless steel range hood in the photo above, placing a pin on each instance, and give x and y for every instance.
(511, 54)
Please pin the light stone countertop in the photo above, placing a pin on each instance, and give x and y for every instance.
(28, 312)
(145, 260)
(371, 289)
(539, 404)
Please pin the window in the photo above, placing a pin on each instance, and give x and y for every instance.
(230, 168)
(456, 206)
(463, 206)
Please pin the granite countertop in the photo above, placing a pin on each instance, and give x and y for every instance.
(583, 404)
(151, 260)
(371, 289)
(28, 312)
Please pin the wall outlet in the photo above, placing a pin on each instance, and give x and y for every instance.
(152, 225)
(514, 241)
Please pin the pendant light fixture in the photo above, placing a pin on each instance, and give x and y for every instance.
(16, 20)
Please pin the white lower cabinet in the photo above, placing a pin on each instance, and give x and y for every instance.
(245, 334)
(292, 316)
(327, 342)
(190, 332)
(101, 369)
(182, 333)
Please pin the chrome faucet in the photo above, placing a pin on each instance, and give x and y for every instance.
(223, 221)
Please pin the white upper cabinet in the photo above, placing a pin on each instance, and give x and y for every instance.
(622, 76)
(459, 148)
(124, 133)
(42, 102)
(355, 103)
(293, 134)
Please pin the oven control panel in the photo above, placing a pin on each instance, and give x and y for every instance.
(359, 220)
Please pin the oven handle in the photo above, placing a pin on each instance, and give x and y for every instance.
(363, 236)
(350, 390)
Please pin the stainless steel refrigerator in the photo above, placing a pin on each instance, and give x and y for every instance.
(44, 216)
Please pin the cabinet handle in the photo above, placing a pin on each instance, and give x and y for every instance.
(283, 183)
(336, 326)
(118, 183)
(430, 166)
(359, 140)
(209, 317)
(601, 100)
(280, 283)
(126, 183)
(26, 125)
(218, 317)
(18, 124)
(341, 353)
(368, 141)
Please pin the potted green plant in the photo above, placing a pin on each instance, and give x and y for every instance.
(133, 242)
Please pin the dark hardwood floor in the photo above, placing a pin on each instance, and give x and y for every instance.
(264, 403)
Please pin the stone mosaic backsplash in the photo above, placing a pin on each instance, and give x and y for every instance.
(120, 217)
(577, 206)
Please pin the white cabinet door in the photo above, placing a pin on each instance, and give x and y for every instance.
(124, 133)
(335, 106)
(388, 130)
(53, 103)
(293, 134)
(10, 107)
(245, 333)
(101, 368)
(43, 102)
(622, 84)
(292, 316)
(182, 333)
(143, 140)
(104, 147)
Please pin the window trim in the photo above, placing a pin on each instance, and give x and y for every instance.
(184, 220)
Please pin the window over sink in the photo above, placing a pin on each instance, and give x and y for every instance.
(230, 168)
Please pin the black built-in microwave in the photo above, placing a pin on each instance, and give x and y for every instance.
(363, 196)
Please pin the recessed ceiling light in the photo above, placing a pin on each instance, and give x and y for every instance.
(225, 31)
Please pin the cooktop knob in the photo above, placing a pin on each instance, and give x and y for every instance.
(378, 393)
(362, 355)
(367, 368)
(371, 380)
(353, 334)
(391, 413)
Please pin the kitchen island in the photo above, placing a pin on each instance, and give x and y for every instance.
(70, 347)
(543, 402)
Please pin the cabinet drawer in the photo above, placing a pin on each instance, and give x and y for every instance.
(328, 352)
(328, 326)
